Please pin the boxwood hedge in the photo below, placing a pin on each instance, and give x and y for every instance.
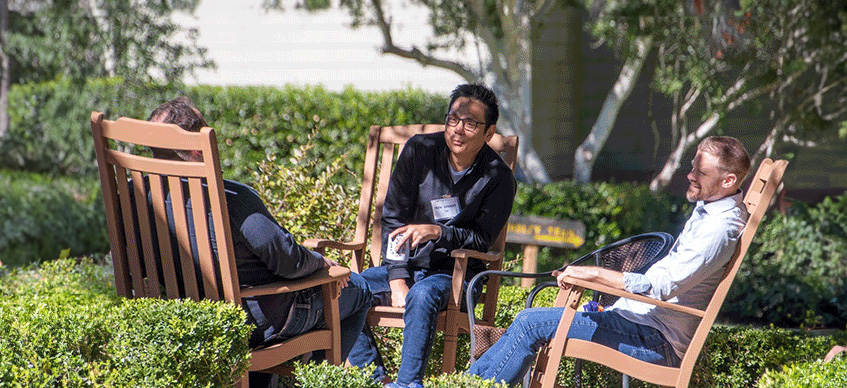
(64, 326)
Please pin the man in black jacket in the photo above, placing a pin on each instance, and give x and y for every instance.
(265, 252)
(449, 190)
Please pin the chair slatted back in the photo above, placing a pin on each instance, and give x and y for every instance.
(147, 255)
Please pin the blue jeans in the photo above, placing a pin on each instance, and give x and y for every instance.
(353, 306)
(429, 295)
(510, 358)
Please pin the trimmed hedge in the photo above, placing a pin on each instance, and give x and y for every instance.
(64, 325)
(808, 374)
(49, 130)
(41, 215)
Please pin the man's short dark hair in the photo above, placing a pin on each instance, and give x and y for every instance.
(482, 94)
(179, 111)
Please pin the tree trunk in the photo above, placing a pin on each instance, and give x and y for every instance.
(516, 116)
(5, 77)
(586, 153)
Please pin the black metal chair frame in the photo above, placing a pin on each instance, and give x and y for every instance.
(665, 239)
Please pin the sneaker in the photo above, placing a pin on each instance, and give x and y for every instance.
(411, 385)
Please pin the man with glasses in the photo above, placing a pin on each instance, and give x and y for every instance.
(448, 190)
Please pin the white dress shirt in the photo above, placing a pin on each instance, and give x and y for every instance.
(690, 273)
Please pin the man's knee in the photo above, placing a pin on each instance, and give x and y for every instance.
(521, 321)
(357, 292)
(426, 296)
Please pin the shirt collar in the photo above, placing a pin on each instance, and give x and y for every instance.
(721, 205)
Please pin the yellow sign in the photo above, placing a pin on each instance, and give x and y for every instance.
(535, 230)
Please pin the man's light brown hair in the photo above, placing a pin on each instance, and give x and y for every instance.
(731, 154)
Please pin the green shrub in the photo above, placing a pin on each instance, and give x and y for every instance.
(808, 374)
(326, 375)
(308, 201)
(736, 356)
(256, 122)
(49, 129)
(64, 325)
(42, 215)
(609, 211)
(794, 274)
(460, 380)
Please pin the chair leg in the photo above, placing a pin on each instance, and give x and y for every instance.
(243, 381)
(331, 292)
(451, 339)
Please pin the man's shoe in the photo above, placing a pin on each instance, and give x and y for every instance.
(396, 385)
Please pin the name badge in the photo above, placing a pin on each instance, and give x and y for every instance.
(445, 208)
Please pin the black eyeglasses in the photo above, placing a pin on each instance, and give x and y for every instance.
(470, 125)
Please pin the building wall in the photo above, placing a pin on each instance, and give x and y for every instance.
(557, 84)
(640, 142)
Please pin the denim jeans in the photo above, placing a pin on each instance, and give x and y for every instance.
(429, 295)
(510, 358)
(353, 306)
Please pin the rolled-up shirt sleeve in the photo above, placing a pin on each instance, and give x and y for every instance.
(636, 283)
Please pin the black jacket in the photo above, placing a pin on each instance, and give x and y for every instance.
(265, 252)
(485, 194)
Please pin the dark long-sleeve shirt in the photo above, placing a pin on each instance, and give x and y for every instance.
(485, 195)
(265, 252)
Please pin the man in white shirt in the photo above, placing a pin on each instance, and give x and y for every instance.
(687, 276)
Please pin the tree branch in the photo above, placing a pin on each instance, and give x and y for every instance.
(494, 45)
(414, 53)
(586, 153)
(541, 9)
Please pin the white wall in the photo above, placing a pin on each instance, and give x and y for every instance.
(252, 46)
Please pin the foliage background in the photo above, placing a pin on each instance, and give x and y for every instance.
(294, 145)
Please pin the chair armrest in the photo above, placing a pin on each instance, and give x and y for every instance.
(470, 253)
(320, 243)
(322, 276)
(637, 297)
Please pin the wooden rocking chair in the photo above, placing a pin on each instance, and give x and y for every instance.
(757, 200)
(384, 145)
(143, 269)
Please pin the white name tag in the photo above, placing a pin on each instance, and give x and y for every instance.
(445, 208)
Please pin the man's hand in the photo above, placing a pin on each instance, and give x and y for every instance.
(600, 275)
(330, 263)
(417, 234)
(399, 289)
(561, 275)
